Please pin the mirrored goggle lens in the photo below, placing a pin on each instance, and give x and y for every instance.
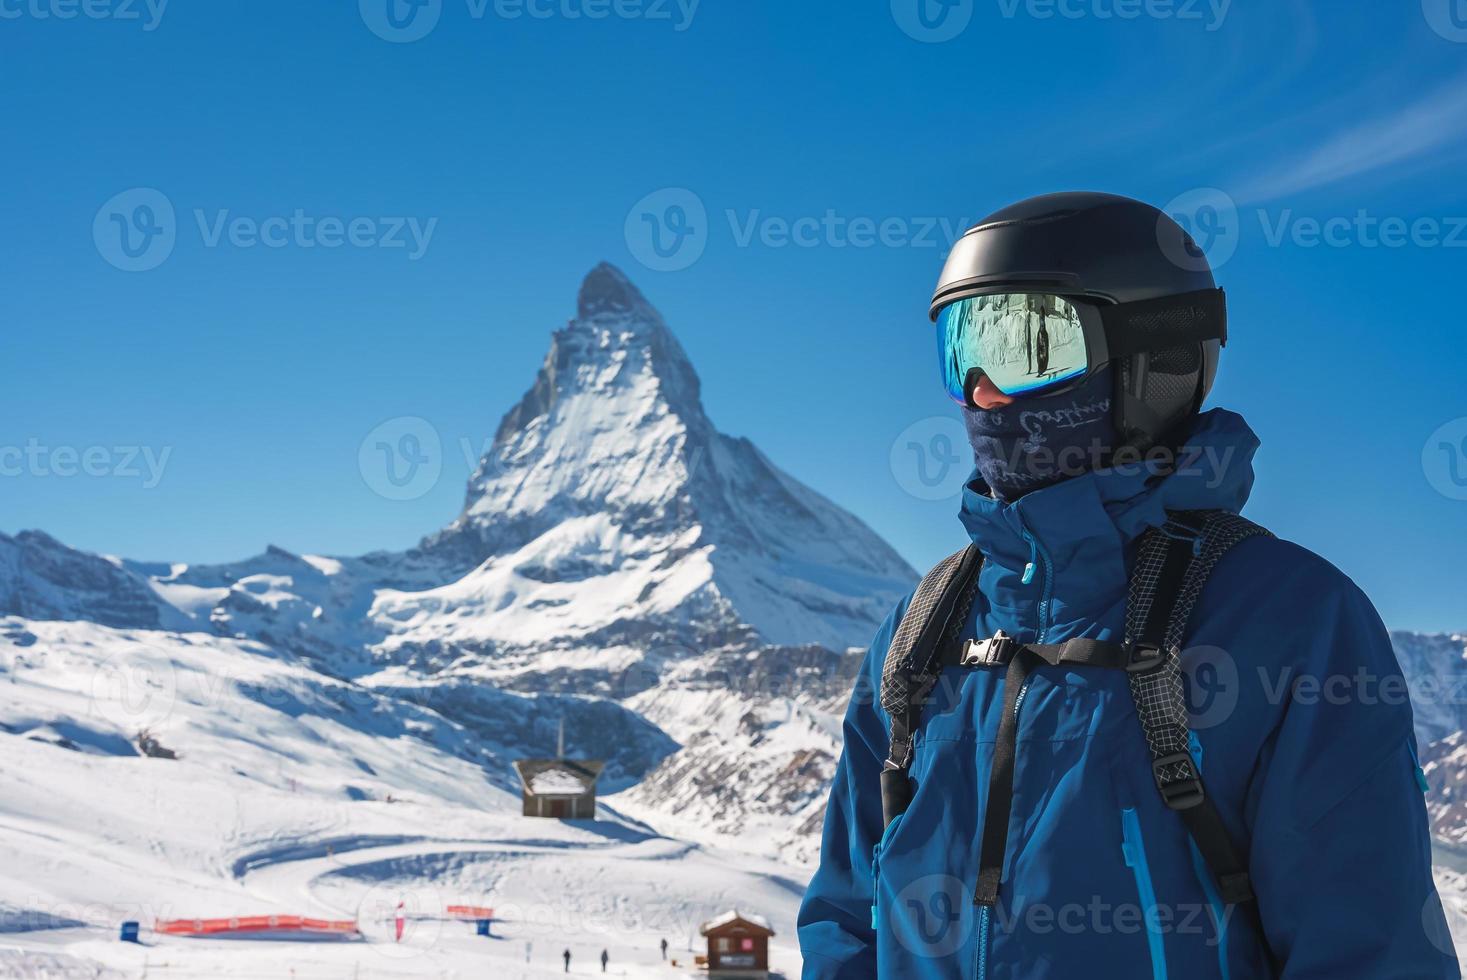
(1025, 343)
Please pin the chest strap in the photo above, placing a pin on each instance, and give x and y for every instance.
(1018, 659)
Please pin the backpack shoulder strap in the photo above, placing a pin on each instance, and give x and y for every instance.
(933, 619)
(1172, 566)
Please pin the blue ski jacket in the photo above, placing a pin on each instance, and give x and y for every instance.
(1301, 724)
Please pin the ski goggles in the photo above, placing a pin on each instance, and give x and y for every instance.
(1039, 343)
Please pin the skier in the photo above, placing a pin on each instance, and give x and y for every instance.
(1085, 746)
(604, 957)
(664, 949)
(566, 956)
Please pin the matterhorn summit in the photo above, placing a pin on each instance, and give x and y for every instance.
(609, 502)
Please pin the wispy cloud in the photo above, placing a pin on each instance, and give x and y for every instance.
(1436, 120)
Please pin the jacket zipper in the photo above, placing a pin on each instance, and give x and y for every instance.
(876, 850)
(1038, 558)
(983, 925)
(1133, 848)
(1037, 550)
(1204, 877)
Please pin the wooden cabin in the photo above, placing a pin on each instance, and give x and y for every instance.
(738, 945)
(561, 788)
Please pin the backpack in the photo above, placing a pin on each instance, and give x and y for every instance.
(1172, 565)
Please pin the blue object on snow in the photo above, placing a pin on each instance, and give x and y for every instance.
(129, 932)
(484, 926)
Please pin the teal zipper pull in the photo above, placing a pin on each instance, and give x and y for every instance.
(1416, 764)
(1028, 578)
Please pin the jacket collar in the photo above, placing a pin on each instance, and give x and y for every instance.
(1082, 526)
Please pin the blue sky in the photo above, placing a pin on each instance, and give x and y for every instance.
(525, 138)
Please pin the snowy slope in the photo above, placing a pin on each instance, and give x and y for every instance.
(293, 793)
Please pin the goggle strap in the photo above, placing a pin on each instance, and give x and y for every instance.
(1165, 322)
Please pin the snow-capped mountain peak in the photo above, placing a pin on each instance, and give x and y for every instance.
(609, 461)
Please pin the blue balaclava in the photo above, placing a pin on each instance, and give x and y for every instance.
(1041, 440)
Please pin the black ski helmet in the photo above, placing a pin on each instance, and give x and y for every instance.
(1103, 248)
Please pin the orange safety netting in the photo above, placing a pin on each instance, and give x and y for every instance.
(255, 923)
(469, 912)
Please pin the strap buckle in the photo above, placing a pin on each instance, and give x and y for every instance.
(1179, 794)
(995, 651)
(1144, 658)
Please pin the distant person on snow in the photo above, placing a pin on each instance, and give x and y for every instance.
(664, 949)
(605, 956)
(566, 955)
(1125, 732)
